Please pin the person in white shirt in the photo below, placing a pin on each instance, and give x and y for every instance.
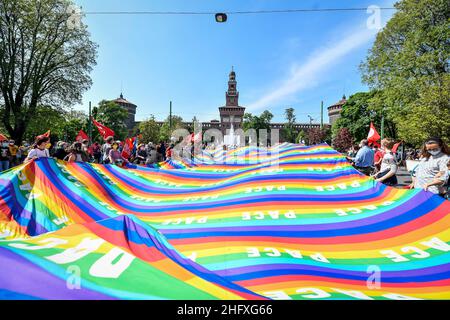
(388, 169)
(40, 149)
(432, 172)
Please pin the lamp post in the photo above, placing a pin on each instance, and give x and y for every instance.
(221, 17)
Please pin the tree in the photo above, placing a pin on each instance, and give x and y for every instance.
(150, 130)
(45, 118)
(43, 60)
(409, 66)
(165, 132)
(343, 140)
(113, 116)
(357, 114)
(318, 135)
(289, 133)
(257, 123)
(63, 125)
(302, 137)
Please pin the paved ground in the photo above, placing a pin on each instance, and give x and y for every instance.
(403, 177)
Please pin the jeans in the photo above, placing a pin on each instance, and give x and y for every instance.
(4, 165)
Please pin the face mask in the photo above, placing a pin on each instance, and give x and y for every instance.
(435, 152)
(5, 144)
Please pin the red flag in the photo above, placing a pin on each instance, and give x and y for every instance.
(45, 135)
(104, 131)
(81, 136)
(198, 137)
(3, 138)
(126, 151)
(373, 135)
(395, 147)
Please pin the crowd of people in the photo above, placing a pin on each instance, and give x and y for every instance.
(382, 163)
(379, 162)
(111, 152)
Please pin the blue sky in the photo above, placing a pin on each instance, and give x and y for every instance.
(281, 60)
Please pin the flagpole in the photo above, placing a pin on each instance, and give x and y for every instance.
(382, 124)
(170, 118)
(90, 124)
(321, 115)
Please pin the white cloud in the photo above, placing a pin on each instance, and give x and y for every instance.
(307, 75)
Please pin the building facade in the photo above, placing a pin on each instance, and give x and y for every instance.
(334, 111)
(231, 113)
(131, 108)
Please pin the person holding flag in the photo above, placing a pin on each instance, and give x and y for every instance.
(432, 173)
(40, 148)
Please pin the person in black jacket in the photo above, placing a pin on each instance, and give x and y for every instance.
(60, 152)
(141, 155)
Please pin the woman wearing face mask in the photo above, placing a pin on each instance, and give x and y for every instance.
(432, 172)
(40, 149)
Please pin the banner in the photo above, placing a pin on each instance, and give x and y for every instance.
(104, 131)
(286, 222)
(373, 135)
(81, 136)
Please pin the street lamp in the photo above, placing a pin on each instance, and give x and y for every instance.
(221, 17)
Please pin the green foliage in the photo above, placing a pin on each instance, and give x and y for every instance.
(318, 135)
(343, 140)
(150, 130)
(42, 60)
(409, 66)
(289, 133)
(302, 136)
(63, 125)
(257, 123)
(165, 132)
(358, 113)
(113, 116)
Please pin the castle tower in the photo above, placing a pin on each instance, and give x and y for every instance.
(130, 108)
(231, 113)
(334, 111)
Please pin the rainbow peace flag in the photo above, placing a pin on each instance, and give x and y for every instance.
(287, 222)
